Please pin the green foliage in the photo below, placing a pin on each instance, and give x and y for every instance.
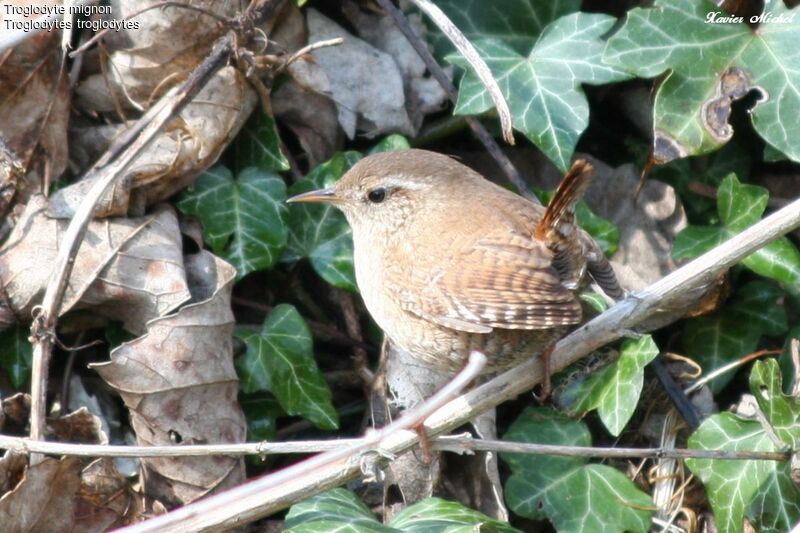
(244, 219)
(574, 495)
(735, 330)
(340, 510)
(674, 37)
(258, 145)
(760, 490)
(320, 232)
(16, 355)
(280, 359)
(543, 88)
(614, 389)
(514, 22)
(740, 206)
(261, 411)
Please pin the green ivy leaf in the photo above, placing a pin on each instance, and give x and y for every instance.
(258, 145)
(515, 22)
(674, 37)
(340, 510)
(337, 510)
(574, 495)
(320, 232)
(594, 300)
(543, 88)
(280, 359)
(391, 143)
(244, 219)
(735, 330)
(740, 206)
(261, 410)
(614, 389)
(16, 355)
(694, 241)
(438, 515)
(781, 410)
(760, 490)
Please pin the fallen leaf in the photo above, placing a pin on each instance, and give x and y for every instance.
(179, 382)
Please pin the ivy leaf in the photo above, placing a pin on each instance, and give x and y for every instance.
(258, 145)
(543, 88)
(614, 390)
(335, 510)
(574, 495)
(781, 410)
(244, 219)
(721, 337)
(436, 514)
(694, 241)
(320, 232)
(340, 510)
(261, 410)
(740, 206)
(515, 22)
(708, 65)
(761, 490)
(280, 359)
(391, 143)
(16, 355)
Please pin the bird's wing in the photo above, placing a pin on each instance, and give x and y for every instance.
(495, 283)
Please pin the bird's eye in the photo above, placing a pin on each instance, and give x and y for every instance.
(376, 196)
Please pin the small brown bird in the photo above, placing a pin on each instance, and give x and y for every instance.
(448, 262)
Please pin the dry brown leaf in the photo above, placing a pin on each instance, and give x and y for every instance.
(44, 500)
(423, 93)
(16, 410)
(129, 270)
(79, 426)
(107, 500)
(364, 82)
(180, 385)
(12, 467)
(189, 145)
(34, 110)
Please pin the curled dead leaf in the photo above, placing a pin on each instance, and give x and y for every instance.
(179, 382)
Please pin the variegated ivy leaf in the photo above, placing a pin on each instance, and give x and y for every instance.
(762, 491)
(243, 219)
(614, 389)
(707, 66)
(280, 358)
(573, 494)
(543, 88)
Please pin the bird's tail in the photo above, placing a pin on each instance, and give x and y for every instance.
(557, 229)
(560, 211)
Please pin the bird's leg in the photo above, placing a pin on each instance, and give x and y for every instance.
(545, 388)
(424, 442)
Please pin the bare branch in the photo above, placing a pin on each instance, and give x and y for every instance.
(474, 59)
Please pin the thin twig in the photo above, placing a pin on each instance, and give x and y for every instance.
(794, 350)
(453, 443)
(437, 72)
(104, 173)
(474, 59)
(727, 368)
(282, 484)
(265, 496)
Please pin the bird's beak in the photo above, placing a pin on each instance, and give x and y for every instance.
(320, 196)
